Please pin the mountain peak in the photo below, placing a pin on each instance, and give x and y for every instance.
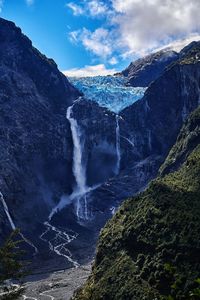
(145, 70)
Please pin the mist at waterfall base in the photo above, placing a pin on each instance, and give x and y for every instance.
(103, 164)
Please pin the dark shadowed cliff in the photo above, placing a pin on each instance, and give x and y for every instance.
(35, 136)
(150, 248)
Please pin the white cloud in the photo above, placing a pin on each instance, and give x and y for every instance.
(89, 71)
(29, 2)
(76, 9)
(73, 36)
(145, 25)
(178, 45)
(92, 8)
(98, 42)
(96, 8)
(134, 28)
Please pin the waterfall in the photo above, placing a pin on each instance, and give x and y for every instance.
(12, 224)
(79, 170)
(5, 207)
(78, 166)
(78, 196)
(118, 151)
(57, 239)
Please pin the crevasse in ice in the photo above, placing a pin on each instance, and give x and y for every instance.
(108, 91)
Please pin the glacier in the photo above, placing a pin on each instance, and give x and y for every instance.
(108, 91)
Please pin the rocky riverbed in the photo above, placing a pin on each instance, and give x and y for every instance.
(59, 285)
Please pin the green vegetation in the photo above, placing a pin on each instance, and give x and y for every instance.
(188, 139)
(150, 249)
(11, 266)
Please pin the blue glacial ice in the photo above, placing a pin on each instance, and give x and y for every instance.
(108, 91)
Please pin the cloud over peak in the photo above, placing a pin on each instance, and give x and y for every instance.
(148, 24)
(134, 27)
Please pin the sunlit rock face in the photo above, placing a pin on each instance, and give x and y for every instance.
(111, 92)
(144, 71)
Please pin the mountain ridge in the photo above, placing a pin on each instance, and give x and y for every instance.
(145, 70)
(43, 122)
(149, 248)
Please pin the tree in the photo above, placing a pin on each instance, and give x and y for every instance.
(11, 266)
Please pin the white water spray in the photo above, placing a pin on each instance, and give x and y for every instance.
(79, 170)
(57, 239)
(118, 151)
(78, 166)
(5, 207)
(79, 194)
(12, 224)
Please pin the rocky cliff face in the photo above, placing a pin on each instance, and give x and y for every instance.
(35, 136)
(149, 249)
(70, 163)
(149, 128)
(145, 70)
(147, 131)
(165, 106)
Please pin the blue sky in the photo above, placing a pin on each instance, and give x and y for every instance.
(90, 37)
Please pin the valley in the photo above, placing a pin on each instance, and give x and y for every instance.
(73, 150)
(57, 285)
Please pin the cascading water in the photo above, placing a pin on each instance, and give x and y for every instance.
(118, 151)
(78, 167)
(79, 170)
(79, 195)
(5, 207)
(12, 224)
(57, 239)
